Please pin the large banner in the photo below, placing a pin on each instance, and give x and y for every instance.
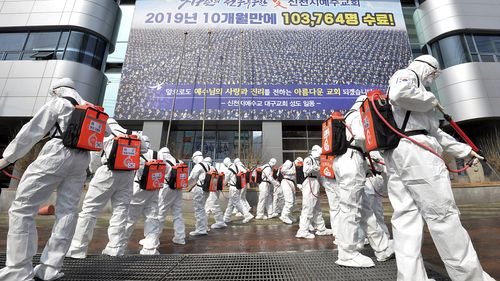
(265, 59)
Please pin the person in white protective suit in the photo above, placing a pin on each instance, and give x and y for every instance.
(419, 184)
(57, 168)
(170, 199)
(288, 184)
(350, 171)
(278, 199)
(266, 188)
(195, 182)
(212, 205)
(243, 192)
(234, 193)
(106, 185)
(375, 187)
(144, 203)
(311, 214)
(332, 193)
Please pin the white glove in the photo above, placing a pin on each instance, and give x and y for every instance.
(3, 163)
(476, 157)
(438, 105)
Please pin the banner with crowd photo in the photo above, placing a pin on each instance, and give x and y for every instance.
(265, 59)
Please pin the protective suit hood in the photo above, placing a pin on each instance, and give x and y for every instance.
(426, 67)
(316, 151)
(237, 160)
(287, 165)
(227, 162)
(207, 159)
(164, 150)
(272, 162)
(197, 157)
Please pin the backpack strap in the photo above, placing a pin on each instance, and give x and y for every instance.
(71, 100)
(204, 168)
(155, 155)
(170, 163)
(58, 128)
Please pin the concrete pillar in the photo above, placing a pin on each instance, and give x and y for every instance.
(156, 133)
(272, 141)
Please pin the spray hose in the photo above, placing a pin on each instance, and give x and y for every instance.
(9, 174)
(467, 165)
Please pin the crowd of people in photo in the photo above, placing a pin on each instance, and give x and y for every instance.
(267, 57)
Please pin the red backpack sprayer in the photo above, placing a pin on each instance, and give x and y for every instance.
(381, 133)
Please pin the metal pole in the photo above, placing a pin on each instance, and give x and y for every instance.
(205, 92)
(176, 88)
(239, 94)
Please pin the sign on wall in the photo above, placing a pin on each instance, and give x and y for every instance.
(268, 59)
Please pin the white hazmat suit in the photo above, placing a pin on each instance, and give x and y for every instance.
(311, 208)
(243, 192)
(57, 168)
(170, 199)
(144, 203)
(288, 185)
(212, 205)
(234, 193)
(419, 184)
(196, 179)
(106, 185)
(350, 172)
(266, 189)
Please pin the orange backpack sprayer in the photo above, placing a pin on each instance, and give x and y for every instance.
(178, 176)
(153, 175)
(378, 136)
(86, 127)
(326, 166)
(376, 112)
(241, 178)
(299, 172)
(125, 153)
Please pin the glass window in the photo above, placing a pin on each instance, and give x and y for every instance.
(12, 41)
(487, 58)
(85, 48)
(453, 51)
(294, 144)
(12, 56)
(484, 44)
(40, 42)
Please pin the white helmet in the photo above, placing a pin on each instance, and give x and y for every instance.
(60, 85)
(164, 150)
(299, 159)
(316, 151)
(272, 162)
(227, 161)
(197, 157)
(287, 165)
(63, 82)
(426, 67)
(237, 160)
(207, 159)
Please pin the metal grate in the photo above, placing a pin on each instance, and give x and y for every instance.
(314, 265)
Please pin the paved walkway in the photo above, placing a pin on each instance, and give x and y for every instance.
(271, 236)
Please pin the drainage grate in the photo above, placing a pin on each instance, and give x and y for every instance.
(314, 265)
